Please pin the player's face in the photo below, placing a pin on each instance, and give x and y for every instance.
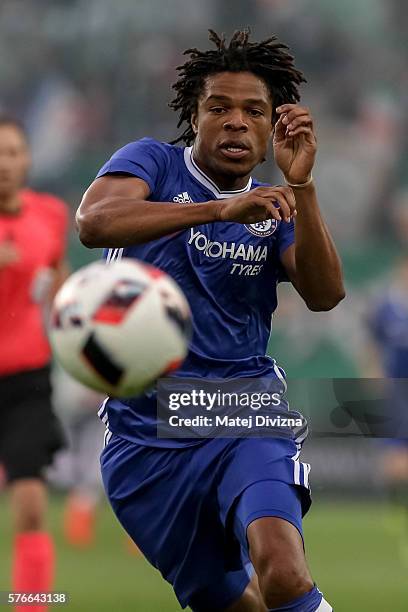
(233, 125)
(14, 160)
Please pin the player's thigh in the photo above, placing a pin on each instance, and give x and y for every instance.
(268, 524)
(166, 500)
(262, 477)
(259, 538)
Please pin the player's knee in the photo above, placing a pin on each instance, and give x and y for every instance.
(28, 502)
(29, 518)
(29, 521)
(282, 581)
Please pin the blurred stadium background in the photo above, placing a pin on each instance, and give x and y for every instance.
(87, 76)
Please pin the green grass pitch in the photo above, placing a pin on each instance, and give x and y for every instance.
(354, 551)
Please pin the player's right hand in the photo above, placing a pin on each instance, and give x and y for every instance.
(262, 203)
(8, 253)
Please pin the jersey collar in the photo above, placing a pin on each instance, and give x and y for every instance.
(206, 181)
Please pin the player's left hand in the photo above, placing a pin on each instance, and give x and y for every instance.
(294, 142)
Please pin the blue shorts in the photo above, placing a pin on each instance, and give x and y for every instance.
(188, 509)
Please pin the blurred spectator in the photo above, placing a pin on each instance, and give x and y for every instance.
(76, 468)
(113, 82)
(387, 356)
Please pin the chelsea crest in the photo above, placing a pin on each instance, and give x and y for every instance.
(262, 228)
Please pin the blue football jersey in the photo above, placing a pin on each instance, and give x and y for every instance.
(228, 272)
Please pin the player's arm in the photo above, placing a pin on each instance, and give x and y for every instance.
(312, 262)
(48, 280)
(61, 271)
(115, 211)
(46, 285)
(8, 253)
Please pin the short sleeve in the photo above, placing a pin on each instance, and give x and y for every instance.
(146, 159)
(57, 219)
(285, 238)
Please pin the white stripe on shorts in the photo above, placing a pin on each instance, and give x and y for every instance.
(107, 437)
(324, 606)
(102, 408)
(299, 448)
(306, 471)
(296, 471)
(302, 435)
(279, 375)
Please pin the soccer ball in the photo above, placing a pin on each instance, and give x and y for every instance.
(118, 327)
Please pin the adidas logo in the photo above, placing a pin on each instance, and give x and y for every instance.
(182, 198)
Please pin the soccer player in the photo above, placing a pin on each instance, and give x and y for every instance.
(388, 325)
(32, 238)
(199, 509)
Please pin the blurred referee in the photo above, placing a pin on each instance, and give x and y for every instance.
(32, 242)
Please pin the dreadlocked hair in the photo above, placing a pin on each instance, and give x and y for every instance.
(268, 59)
